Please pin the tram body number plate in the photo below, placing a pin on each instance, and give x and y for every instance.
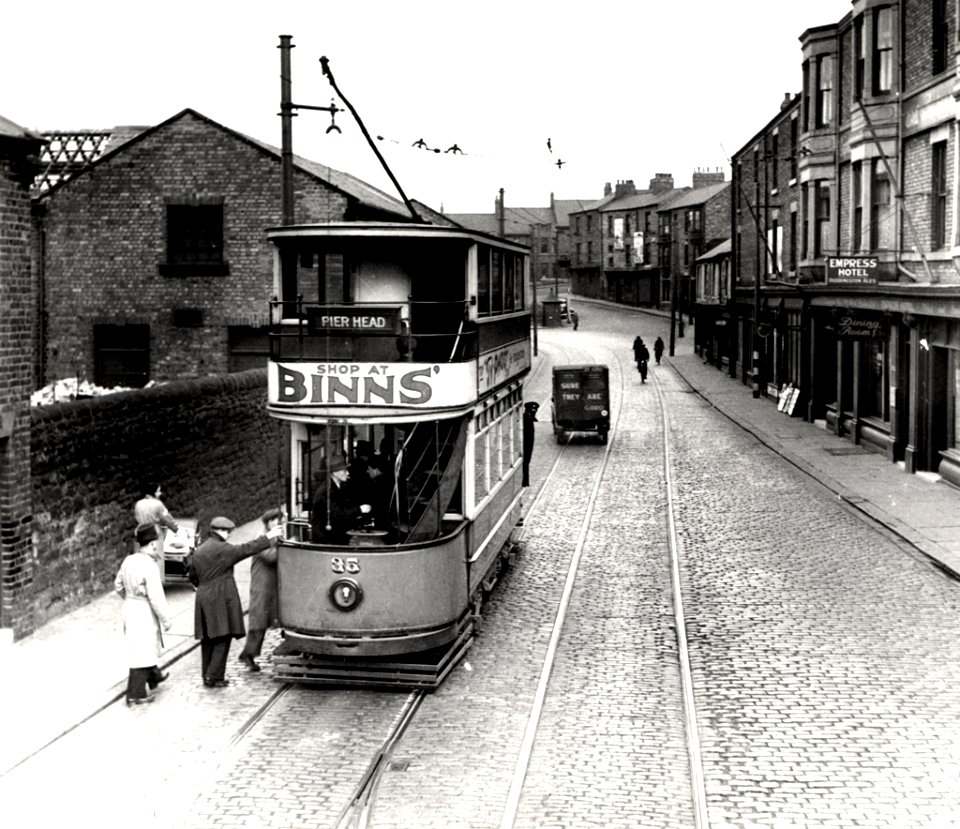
(344, 565)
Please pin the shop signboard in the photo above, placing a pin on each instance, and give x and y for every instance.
(859, 327)
(853, 270)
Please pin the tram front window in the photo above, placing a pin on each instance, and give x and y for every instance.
(380, 484)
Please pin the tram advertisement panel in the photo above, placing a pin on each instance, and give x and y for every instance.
(496, 367)
(410, 385)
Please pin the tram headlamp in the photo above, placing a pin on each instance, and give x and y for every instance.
(345, 594)
(604, 412)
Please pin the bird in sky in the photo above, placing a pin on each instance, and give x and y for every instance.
(455, 150)
(559, 164)
(549, 145)
(422, 144)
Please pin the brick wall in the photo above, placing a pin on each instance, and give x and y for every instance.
(17, 314)
(208, 441)
(917, 186)
(106, 237)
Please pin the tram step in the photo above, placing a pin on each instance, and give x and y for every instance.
(425, 670)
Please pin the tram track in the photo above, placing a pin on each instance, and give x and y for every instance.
(509, 816)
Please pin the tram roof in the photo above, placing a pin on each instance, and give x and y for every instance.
(397, 230)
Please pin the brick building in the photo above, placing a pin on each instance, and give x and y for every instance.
(19, 153)
(632, 245)
(854, 297)
(155, 263)
(688, 225)
(545, 230)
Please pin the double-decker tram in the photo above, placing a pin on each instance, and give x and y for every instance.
(397, 355)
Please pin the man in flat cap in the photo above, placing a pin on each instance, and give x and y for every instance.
(263, 611)
(335, 508)
(218, 614)
(145, 615)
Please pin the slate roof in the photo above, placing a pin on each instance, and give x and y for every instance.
(348, 184)
(699, 195)
(9, 129)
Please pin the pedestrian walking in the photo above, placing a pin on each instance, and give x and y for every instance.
(145, 615)
(644, 358)
(529, 418)
(637, 346)
(263, 611)
(575, 319)
(218, 614)
(658, 349)
(151, 510)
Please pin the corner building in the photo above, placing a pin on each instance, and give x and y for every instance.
(845, 242)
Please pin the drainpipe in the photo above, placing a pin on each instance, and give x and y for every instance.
(501, 218)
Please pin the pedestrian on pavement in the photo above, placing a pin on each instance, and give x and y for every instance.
(218, 614)
(658, 349)
(644, 358)
(529, 418)
(145, 615)
(575, 319)
(335, 506)
(637, 345)
(263, 611)
(150, 510)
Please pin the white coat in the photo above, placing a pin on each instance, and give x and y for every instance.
(145, 609)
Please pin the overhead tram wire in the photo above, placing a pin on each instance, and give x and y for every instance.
(325, 64)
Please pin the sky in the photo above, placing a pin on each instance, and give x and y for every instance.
(623, 89)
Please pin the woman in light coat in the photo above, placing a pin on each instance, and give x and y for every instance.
(145, 615)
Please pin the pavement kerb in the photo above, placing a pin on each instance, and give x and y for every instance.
(929, 549)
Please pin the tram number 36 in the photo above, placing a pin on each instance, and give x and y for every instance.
(345, 565)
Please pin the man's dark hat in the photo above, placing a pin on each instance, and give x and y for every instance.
(221, 523)
(146, 533)
(270, 514)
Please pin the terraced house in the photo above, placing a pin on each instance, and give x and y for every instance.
(846, 242)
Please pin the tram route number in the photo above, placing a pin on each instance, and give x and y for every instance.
(344, 565)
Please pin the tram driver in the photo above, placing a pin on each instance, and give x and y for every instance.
(336, 509)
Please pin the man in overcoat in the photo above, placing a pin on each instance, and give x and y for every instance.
(264, 608)
(145, 613)
(218, 614)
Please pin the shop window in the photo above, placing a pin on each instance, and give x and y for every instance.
(121, 356)
(876, 379)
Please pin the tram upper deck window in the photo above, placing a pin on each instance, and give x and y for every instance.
(499, 281)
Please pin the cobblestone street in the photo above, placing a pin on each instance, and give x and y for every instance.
(824, 655)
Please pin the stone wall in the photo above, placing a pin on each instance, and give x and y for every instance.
(209, 442)
(17, 325)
